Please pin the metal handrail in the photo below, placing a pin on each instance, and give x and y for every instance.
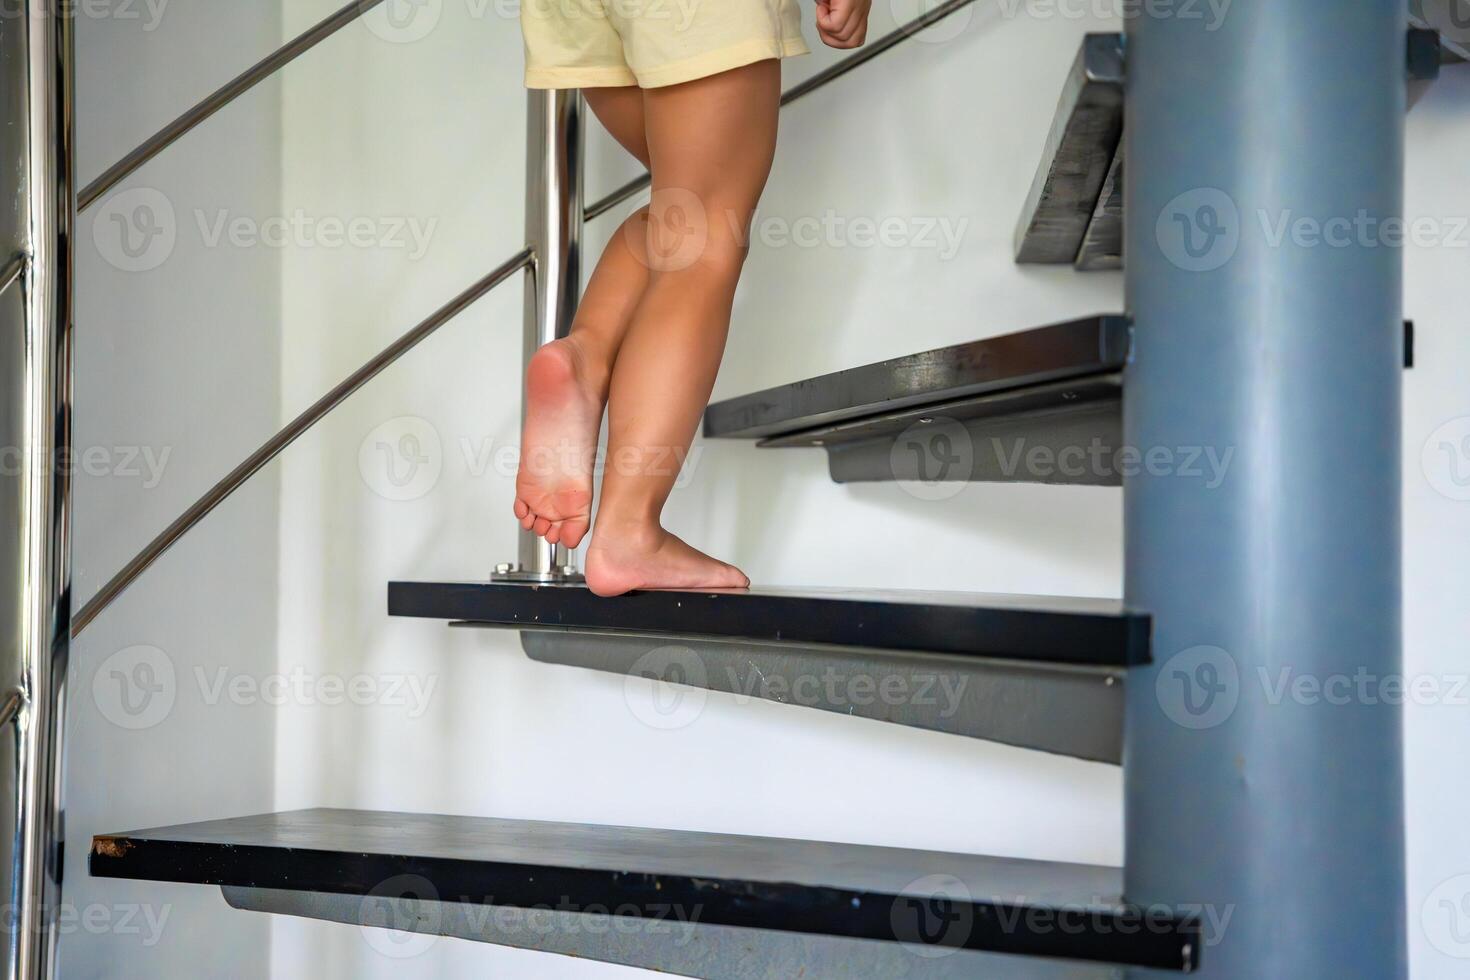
(10, 709)
(228, 93)
(277, 443)
(13, 270)
(826, 76)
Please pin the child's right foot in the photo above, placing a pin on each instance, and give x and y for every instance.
(558, 445)
(622, 559)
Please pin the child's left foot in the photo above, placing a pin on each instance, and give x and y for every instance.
(622, 558)
(558, 445)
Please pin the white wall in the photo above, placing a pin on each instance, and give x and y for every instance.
(177, 379)
(1436, 527)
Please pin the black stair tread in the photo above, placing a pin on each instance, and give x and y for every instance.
(1061, 351)
(767, 883)
(1050, 629)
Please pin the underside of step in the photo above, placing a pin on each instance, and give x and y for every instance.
(697, 904)
(1037, 406)
(1035, 672)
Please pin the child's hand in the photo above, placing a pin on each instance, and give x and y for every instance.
(843, 23)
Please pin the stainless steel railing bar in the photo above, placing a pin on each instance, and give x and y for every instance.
(232, 90)
(15, 700)
(824, 77)
(278, 443)
(13, 270)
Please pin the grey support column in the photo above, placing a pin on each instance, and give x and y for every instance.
(555, 153)
(35, 426)
(1275, 344)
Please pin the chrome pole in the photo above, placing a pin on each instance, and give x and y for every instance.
(35, 354)
(555, 122)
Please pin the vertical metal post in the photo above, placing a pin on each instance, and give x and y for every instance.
(555, 122)
(1263, 751)
(35, 414)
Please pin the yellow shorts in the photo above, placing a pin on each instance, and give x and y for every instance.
(598, 43)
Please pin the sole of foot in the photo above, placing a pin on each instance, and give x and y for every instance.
(558, 446)
(621, 562)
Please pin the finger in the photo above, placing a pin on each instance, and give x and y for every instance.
(852, 25)
(853, 16)
(833, 17)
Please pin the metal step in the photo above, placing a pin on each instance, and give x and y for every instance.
(697, 904)
(1086, 131)
(1073, 214)
(1038, 406)
(1040, 630)
(1033, 672)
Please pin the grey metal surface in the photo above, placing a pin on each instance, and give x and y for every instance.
(1068, 711)
(1426, 53)
(277, 444)
(1064, 432)
(906, 897)
(36, 218)
(555, 166)
(1077, 445)
(1079, 150)
(1286, 810)
(1052, 630)
(822, 78)
(217, 100)
(686, 948)
(1072, 350)
(1102, 243)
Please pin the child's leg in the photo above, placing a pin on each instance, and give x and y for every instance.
(711, 142)
(566, 384)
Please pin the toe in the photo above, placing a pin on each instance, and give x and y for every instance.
(541, 526)
(553, 535)
(521, 509)
(572, 532)
(527, 520)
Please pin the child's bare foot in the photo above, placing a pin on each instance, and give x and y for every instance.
(558, 445)
(623, 558)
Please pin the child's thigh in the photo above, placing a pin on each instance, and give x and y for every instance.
(716, 136)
